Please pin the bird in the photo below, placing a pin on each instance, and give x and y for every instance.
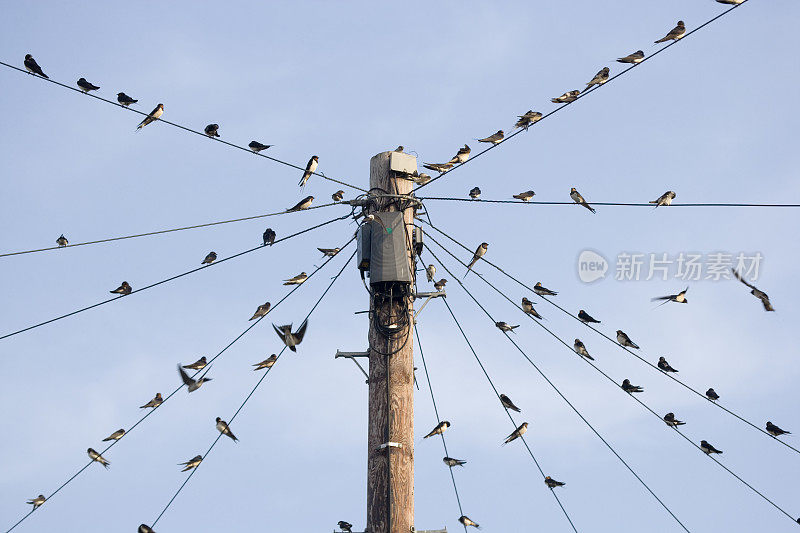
(707, 448)
(525, 196)
(223, 428)
(663, 365)
(266, 363)
(439, 285)
(543, 291)
(664, 199)
(517, 433)
(123, 289)
(144, 528)
(210, 258)
(624, 340)
(346, 527)
(527, 306)
(441, 168)
(440, 428)
(329, 252)
(761, 295)
(261, 310)
(291, 339)
(197, 365)
(508, 404)
(305, 203)
(670, 420)
(627, 387)
(194, 462)
(155, 402)
(115, 436)
(736, 3)
(212, 130)
(449, 461)
(502, 326)
(311, 167)
(461, 156)
(578, 199)
(37, 501)
(528, 119)
(674, 34)
(775, 431)
(85, 86)
(94, 456)
(62, 241)
(256, 146)
(269, 236)
(33, 67)
(636, 57)
(296, 280)
(586, 318)
(467, 521)
(154, 115)
(421, 179)
(494, 138)
(552, 483)
(599, 79)
(125, 100)
(580, 349)
(712, 395)
(193, 384)
(481, 250)
(430, 272)
(337, 196)
(475, 193)
(679, 298)
(567, 97)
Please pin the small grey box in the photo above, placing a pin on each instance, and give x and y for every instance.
(389, 249)
(402, 163)
(364, 241)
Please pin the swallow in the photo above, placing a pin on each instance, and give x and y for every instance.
(775, 431)
(449, 461)
(636, 57)
(94, 456)
(578, 199)
(671, 421)
(439, 285)
(461, 156)
(663, 365)
(627, 387)
(599, 79)
(430, 272)
(736, 3)
(543, 291)
(567, 97)
(712, 395)
(269, 236)
(154, 115)
(144, 528)
(527, 306)
(421, 179)
(33, 67)
(193, 384)
(266, 363)
(210, 258)
(212, 130)
(466, 521)
(528, 119)
(328, 252)
(679, 298)
(517, 433)
(441, 168)
(707, 448)
(194, 462)
(123, 289)
(525, 196)
(305, 203)
(552, 483)
(440, 428)
(311, 167)
(664, 199)
(586, 318)
(62, 241)
(223, 428)
(475, 193)
(197, 365)
(502, 326)
(674, 34)
(291, 339)
(125, 100)
(297, 280)
(761, 295)
(85, 86)
(580, 349)
(477, 255)
(346, 527)
(115, 436)
(494, 138)
(262, 310)
(256, 146)
(624, 340)
(155, 402)
(37, 501)
(508, 404)
(337, 196)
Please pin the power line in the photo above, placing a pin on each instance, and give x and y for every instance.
(113, 299)
(583, 94)
(184, 128)
(615, 204)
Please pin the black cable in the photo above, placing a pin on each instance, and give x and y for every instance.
(618, 204)
(583, 94)
(201, 133)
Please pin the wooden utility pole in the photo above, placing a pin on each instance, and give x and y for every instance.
(390, 457)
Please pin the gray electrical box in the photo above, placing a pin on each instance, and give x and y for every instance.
(364, 241)
(388, 248)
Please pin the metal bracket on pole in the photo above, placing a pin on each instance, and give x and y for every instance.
(427, 296)
(352, 356)
(387, 445)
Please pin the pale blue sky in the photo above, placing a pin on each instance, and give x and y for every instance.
(713, 119)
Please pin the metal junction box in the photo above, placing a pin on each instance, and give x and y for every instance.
(384, 245)
(364, 240)
(402, 163)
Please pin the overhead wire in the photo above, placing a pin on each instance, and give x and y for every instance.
(614, 204)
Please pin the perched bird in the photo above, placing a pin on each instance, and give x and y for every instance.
(508, 404)
(346, 527)
(461, 156)
(671, 421)
(775, 431)
(517, 433)
(256, 146)
(624, 340)
(212, 130)
(586, 318)
(269, 236)
(663, 365)
(477, 255)
(123, 289)
(527, 306)
(305, 203)
(194, 462)
(543, 291)
(94, 456)
(552, 483)
(679, 298)
(664, 199)
(193, 384)
(337, 196)
(636, 57)
(528, 119)
(210, 258)
(266, 363)
(440, 428)
(567, 97)
(761, 295)
(291, 339)
(262, 310)
(125, 100)
(115, 436)
(296, 280)
(197, 365)
(599, 79)
(311, 167)
(62, 241)
(328, 252)
(438, 167)
(439, 285)
(85, 86)
(33, 67)
(712, 395)
(154, 115)
(525, 196)
(430, 271)
(502, 326)
(155, 402)
(493, 138)
(580, 349)
(475, 193)
(674, 34)
(37, 501)
(707, 448)
(223, 428)
(578, 199)
(449, 461)
(144, 528)
(465, 520)
(627, 387)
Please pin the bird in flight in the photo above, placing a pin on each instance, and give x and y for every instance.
(193, 384)
(674, 34)
(440, 428)
(679, 298)
(33, 67)
(578, 199)
(154, 115)
(761, 295)
(311, 167)
(291, 340)
(85, 86)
